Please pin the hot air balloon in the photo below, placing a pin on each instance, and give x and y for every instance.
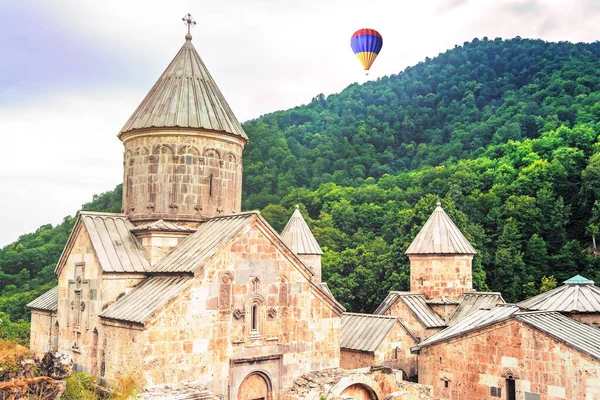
(366, 44)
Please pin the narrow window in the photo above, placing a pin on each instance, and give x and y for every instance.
(446, 384)
(511, 393)
(210, 185)
(254, 318)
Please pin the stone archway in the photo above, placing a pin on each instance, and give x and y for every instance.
(358, 387)
(358, 391)
(256, 386)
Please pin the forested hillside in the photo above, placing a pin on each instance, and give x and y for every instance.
(503, 132)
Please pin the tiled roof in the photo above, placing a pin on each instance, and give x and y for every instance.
(185, 96)
(162, 226)
(416, 303)
(570, 297)
(579, 336)
(200, 246)
(115, 246)
(146, 299)
(471, 302)
(440, 235)
(364, 332)
(47, 301)
(476, 320)
(298, 237)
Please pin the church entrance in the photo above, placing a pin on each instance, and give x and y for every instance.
(256, 386)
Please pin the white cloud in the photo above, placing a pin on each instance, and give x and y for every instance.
(265, 55)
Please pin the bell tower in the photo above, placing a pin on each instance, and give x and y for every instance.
(183, 146)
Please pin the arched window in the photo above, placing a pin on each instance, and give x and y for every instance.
(254, 318)
(255, 315)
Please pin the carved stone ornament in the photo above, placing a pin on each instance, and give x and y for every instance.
(72, 305)
(238, 314)
(82, 305)
(272, 312)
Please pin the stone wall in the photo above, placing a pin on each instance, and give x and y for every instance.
(352, 359)
(401, 311)
(43, 335)
(592, 319)
(207, 335)
(476, 366)
(394, 352)
(84, 291)
(439, 276)
(181, 174)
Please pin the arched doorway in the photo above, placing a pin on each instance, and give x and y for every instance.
(358, 391)
(256, 386)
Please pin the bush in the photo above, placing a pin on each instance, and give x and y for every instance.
(80, 386)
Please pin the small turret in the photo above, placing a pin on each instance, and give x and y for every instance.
(440, 259)
(300, 240)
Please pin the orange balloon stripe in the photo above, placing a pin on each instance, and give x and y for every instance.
(366, 59)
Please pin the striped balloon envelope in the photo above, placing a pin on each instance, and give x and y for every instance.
(366, 44)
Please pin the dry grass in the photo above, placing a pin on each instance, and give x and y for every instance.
(126, 388)
(11, 349)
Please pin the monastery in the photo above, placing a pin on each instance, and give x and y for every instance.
(183, 288)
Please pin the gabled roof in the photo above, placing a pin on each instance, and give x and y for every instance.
(46, 302)
(200, 246)
(474, 301)
(576, 295)
(417, 304)
(364, 332)
(440, 235)
(582, 337)
(574, 334)
(146, 299)
(185, 96)
(162, 226)
(115, 246)
(298, 237)
(476, 320)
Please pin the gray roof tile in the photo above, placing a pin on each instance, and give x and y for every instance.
(115, 246)
(197, 248)
(579, 297)
(364, 332)
(417, 304)
(471, 302)
(476, 320)
(298, 237)
(580, 336)
(147, 299)
(185, 96)
(162, 226)
(47, 301)
(440, 235)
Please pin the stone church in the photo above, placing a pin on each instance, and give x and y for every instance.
(182, 286)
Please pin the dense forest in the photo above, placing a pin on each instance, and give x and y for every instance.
(503, 132)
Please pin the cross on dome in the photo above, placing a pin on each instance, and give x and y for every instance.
(190, 22)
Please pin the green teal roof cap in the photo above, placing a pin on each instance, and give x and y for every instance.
(578, 280)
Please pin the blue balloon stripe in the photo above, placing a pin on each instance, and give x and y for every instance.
(366, 43)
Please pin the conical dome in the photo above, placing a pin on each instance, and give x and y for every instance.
(185, 96)
(440, 235)
(298, 237)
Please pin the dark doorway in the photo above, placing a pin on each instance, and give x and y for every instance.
(511, 393)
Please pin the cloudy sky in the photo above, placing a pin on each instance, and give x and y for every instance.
(72, 71)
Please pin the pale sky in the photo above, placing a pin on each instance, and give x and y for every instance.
(72, 71)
